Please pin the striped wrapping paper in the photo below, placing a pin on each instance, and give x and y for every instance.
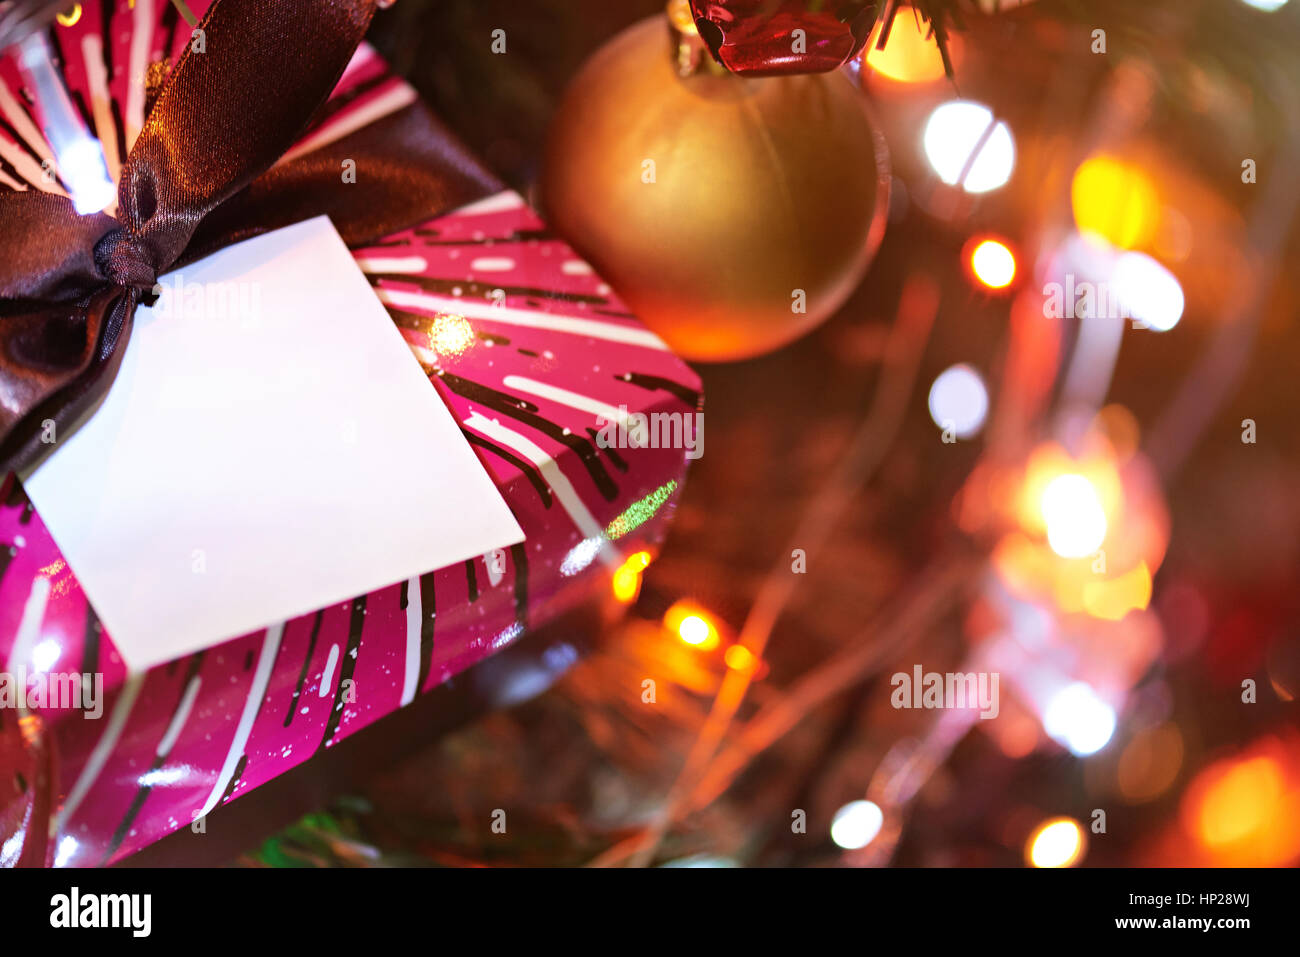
(527, 347)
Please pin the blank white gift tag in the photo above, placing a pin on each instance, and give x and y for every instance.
(270, 446)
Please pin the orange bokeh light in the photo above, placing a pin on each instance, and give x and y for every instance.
(1245, 811)
(992, 263)
(692, 625)
(911, 54)
(626, 582)
(1055, 843)
(740, 658)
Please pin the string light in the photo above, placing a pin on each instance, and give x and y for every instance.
(692, 625)
(739, 658)
(694, 630)
(626, 582)
(1058, 842)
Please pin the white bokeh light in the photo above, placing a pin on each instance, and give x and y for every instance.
(82, 167)
(45, 655)
(1268, 6)
(959, 400)
(67, 847)
(1078, 719)
(856, 824)
(1148, 290)
(1076, 522)
(959, 128)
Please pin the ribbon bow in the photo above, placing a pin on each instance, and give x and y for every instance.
(200, 176)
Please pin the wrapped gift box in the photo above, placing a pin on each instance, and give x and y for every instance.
(527, 347)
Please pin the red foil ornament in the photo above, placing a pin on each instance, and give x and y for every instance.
(758, 38)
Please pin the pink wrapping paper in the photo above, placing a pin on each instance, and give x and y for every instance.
(526, 346)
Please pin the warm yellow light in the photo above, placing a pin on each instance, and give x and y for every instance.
(1056, 843)
(1049, 462)
(1242, 803)
(626, 582)
(1116, 201)
(679, 13)
(69, 18)
(1073, 514)
(739, 658)
(911, 54)
(993, 264)
(450, 335)
(1244, 811)
(694, 630)
(692, 625)
(1112, 599)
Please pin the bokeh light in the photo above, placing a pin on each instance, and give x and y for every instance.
(739, 658)
(1079, 720)
(1150, 763)
(910, 56)
(694, 630)
(1112, 598)
(450, 335)
(1055, 843)
(626, 582)
(1244, 810)
(1268, 6)
(959, 400)
(1115, 201)
(1240, 801)
(993, 264)
(692, 625)
(1149, 291)
(45, 655)
(856, 824)
(966, 145)
(1073, 514)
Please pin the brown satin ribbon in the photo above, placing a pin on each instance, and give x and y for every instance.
(201, 176)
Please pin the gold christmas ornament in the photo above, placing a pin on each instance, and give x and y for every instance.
(731, 214)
